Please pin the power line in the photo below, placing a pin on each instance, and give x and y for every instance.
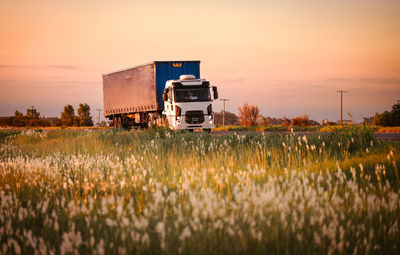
(341, 104)
(223, 112)
(99, 110)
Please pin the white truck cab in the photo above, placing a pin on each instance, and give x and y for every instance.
(188, 103)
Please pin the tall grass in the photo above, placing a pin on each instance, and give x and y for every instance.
(161, 191)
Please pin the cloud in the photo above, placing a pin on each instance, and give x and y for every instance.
(64, 67)
(374, 80)
(234, 80)
(67, 67)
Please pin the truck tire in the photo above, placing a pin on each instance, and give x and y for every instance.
(115, 122)
(119, 122)
(150, 121)
(165, 121)
(207, 130)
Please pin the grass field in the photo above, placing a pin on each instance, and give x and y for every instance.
(164, 192)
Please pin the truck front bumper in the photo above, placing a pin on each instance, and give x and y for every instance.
(180, 123)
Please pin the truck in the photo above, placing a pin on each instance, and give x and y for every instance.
(159, 93)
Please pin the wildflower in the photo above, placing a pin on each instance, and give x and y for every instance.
(145, 239)
(109, 222)
(160, 228)
(56, 226)
(185, 234)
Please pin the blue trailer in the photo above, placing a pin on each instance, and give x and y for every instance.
(172, 70)
(133, 96)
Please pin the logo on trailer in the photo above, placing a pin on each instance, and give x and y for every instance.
(177, 64)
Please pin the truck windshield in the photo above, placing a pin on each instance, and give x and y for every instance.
(192, 95)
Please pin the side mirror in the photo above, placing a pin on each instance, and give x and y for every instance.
(165, 95)
(215, 91)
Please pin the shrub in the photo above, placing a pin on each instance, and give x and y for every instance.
(248, 114)
(300, 120)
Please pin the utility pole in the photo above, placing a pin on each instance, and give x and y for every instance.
(223, 113)
(341, 104)
(99, 110)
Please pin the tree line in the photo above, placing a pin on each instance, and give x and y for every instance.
(388, 119)
(249, 115)
(32, 118)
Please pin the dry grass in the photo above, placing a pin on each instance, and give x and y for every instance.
(389, 130)
(165, 192)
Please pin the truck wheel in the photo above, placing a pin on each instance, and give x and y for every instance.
(115, 122)
(165, 121)
(207, 130)
(119, 122)
(149, 122)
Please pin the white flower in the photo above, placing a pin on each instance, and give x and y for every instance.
(186, 233)
(160, 228)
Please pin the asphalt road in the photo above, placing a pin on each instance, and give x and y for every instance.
(388, 136)
(381, 136)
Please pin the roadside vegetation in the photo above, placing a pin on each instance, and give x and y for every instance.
(32, 119)
(388, 118)
(250, 119)
(166, 192)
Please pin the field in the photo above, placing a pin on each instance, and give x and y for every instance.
(164, 192)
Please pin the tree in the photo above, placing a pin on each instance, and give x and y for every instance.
(18, 120)
(388, 119)
(396, 114)
(300, 120)
(230, 118)
(84, 115)
(67, 116)
(248, 115)
(6, 121)
(77, 122)
(32, 113)
(383, 119)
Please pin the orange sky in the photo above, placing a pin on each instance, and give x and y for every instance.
(287, 57)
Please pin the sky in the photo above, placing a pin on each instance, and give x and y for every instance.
(287, 57)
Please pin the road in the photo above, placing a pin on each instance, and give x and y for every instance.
(388, 136)
(381, 136)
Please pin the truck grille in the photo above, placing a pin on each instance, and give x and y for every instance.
(194, 117)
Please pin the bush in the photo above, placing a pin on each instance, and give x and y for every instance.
(388, 119)
(248, 115)
(300, 120)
